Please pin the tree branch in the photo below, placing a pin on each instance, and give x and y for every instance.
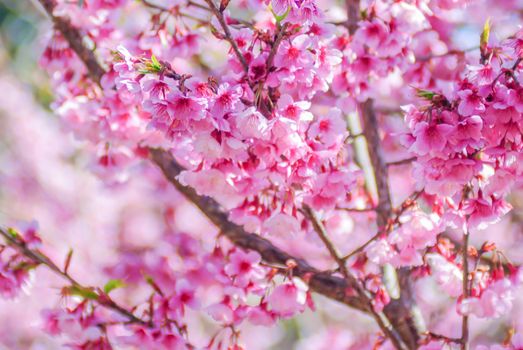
(409, 202)
(320, 282)
(353, 14)
(465, 319)
(228, 35)
(74, 38)
(381, 320)
(39, 258)
(398, 310)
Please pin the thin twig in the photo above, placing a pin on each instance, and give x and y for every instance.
(381, 320)
(41, 259)
(465, 319)
(154, 6)
(228, 35)
(356, 210)
(274, 49)
(405, 205)
(402, 162)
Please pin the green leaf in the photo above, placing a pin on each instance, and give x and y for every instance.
(13, 233)
(83, 292)
(485, 34)
(112, 285)
(155, 61)
(426, 94)
(152, 66)
(279, 19)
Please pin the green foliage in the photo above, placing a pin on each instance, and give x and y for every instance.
(112, 285)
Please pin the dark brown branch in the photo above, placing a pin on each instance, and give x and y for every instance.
(322, 283)
(74, 38)
(41, 259)
(381, 176)
(332, 287)
(274, 49)
(353, 15)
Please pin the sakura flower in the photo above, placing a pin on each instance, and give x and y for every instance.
(371, 33)
(380, 252)
(251, 124)
(221, 312)
(495, 301)
(329, 188)
(211, 182)
(226, 100)
(294, 110)
(484, 212)
(295, 53)
(282, 224)
(244, 267)
(288, 299)
(185, 108)
(447, 275)
(329, 129)
(430, 138)
(470, 103)
(184, 296)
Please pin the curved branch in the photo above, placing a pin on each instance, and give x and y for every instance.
(332, 287)
(39, 258)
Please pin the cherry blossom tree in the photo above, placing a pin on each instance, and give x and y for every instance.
(280, 158)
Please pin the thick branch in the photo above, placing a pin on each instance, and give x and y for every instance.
(353, 14)
(74, 38)
(322, 283)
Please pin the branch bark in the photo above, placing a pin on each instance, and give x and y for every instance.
(398, 310)
(323, 283)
